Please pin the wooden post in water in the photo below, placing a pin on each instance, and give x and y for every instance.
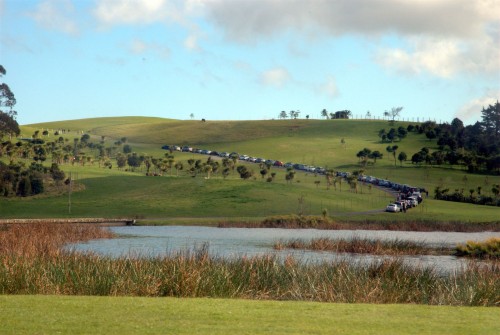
(69, 194)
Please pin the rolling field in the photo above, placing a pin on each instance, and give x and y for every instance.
(114, 193)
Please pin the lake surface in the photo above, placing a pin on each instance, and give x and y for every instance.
(145, 241)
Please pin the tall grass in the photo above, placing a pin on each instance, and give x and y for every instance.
(197, 274)
(318, 222)
(363, 246)
(487, 249)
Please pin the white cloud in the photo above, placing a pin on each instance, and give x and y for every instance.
(111, 12)
(139, 46)
(444, 36)
(445, 57)
(330, 87)
(56, 15)
(437, 57)
(471, 110)
(276, 77)
(245, 20)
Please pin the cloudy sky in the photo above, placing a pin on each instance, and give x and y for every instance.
(250, 59)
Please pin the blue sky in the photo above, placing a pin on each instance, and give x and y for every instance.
(250, 59)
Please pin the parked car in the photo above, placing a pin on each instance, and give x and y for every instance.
(413, 201)
(278, 163)
(392, 208)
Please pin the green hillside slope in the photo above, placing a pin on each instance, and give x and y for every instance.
(313, 142)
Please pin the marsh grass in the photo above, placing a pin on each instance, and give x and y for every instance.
(487, 249)
(294, 221)
(359, 245)
(32, 264)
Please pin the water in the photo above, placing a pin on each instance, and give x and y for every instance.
(144, 241)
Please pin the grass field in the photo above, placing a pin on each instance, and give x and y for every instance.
(124, 315)
(113, 193)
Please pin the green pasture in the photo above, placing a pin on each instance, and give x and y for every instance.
(135, 315)
(113, 193)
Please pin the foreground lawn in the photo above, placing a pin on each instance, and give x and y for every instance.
(127, 315)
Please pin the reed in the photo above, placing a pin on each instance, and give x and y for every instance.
(318, 222)
(198, 274)
(362, 246)
(487, 249)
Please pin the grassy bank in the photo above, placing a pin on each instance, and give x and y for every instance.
(42, 268)
(373, 223)
(126, 315)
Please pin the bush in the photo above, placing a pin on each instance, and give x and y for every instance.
(488, 249)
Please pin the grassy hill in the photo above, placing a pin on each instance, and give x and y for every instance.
(111, 193)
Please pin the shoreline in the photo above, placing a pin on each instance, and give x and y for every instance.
(285, 222)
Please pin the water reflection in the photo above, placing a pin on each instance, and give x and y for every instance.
(148, 241)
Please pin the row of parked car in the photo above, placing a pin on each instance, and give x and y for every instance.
(276, 163)
(408, 196)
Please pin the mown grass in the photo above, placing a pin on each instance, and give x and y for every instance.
(134, 315)
(42, 268)
(116, 193)
(362, 246)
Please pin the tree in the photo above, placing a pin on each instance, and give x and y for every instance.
(393, 113)
(134, 161)
(363, 156)
(392, 149)
(178, 166)
(402, 132)
(430, 134)
(382, 134)
(392, 135)
(191, 116)
(491, 120)
(121, 160)
(402, 157)
(127, 149)
(456, 126)
(283, 115)
(324, 113)
(8, 123)
(375, 155)
(244, 172)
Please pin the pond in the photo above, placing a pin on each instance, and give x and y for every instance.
(146, 241)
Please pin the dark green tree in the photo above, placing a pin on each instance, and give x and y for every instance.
(8, 124)
(402, 157)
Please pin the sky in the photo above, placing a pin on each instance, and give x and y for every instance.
(250, 59)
